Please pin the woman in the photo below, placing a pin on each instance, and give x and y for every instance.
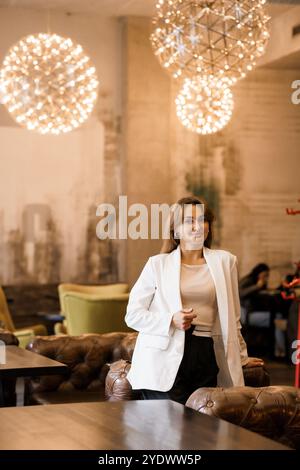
(185, 306)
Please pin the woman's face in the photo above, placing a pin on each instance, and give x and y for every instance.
(194, 229)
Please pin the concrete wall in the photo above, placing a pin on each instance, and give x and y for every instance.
(135, 145)
(252, 168)
(50, 186)
(147, 130)
(282, 42)
(248, 172)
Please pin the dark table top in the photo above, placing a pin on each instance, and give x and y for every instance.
(127, 425)
(22, 363)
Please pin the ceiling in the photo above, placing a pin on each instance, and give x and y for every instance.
(142, 8)
(117, 7)
(106, 7)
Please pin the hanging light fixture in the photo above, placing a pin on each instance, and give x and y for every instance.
(205, 105)
(209, 37)
(48, 84)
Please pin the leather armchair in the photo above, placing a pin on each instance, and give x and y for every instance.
(273, 412)
(88, 358)
(8, 338)
(118, 388)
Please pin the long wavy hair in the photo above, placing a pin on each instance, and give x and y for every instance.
(255, 272)
(171, 243)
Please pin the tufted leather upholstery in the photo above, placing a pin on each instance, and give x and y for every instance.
(8, 338)
(273, 412)
(117, 386)
(256, 377)
(9, 383)
(87, 357)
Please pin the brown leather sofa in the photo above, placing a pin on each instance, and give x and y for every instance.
(273, 412)
(118, 388)
(8, 338)
(9, 383)
(88, 358)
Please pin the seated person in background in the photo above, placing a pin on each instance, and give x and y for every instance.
(283, 304)
(259, 308)
(251, 285)
(285, 301)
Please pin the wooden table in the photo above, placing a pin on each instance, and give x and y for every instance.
(23, 363)
(131, 425)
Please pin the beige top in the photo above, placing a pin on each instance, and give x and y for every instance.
(198, 291)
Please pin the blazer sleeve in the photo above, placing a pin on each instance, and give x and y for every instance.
(237, 308)
(138, 316)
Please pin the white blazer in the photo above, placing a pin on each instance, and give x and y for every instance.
(155, 298)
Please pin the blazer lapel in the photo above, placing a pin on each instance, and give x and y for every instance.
(217, 272)
(172, 280)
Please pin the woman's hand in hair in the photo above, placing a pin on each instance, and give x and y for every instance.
(182, 320)
(262, 279)
(261, 283)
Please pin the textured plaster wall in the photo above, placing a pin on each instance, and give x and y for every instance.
(50, 186)
(147, 177)
(135, 145)
(249, 172)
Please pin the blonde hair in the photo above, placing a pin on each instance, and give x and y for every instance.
(171, 243)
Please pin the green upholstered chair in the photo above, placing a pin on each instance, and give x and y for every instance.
(90, 313)
(108, 289)
(92, 309)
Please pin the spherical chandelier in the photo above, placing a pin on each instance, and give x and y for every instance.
(209, 37)
(205, 105)
(48, 84)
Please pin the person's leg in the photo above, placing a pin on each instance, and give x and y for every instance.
(243, 315)
(178, 391)
(154, 395)
(260, 319)
(198, 369)
(266, 320)
(206, 368)
(280, 336)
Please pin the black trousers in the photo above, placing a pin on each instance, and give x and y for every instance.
(198, 368)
